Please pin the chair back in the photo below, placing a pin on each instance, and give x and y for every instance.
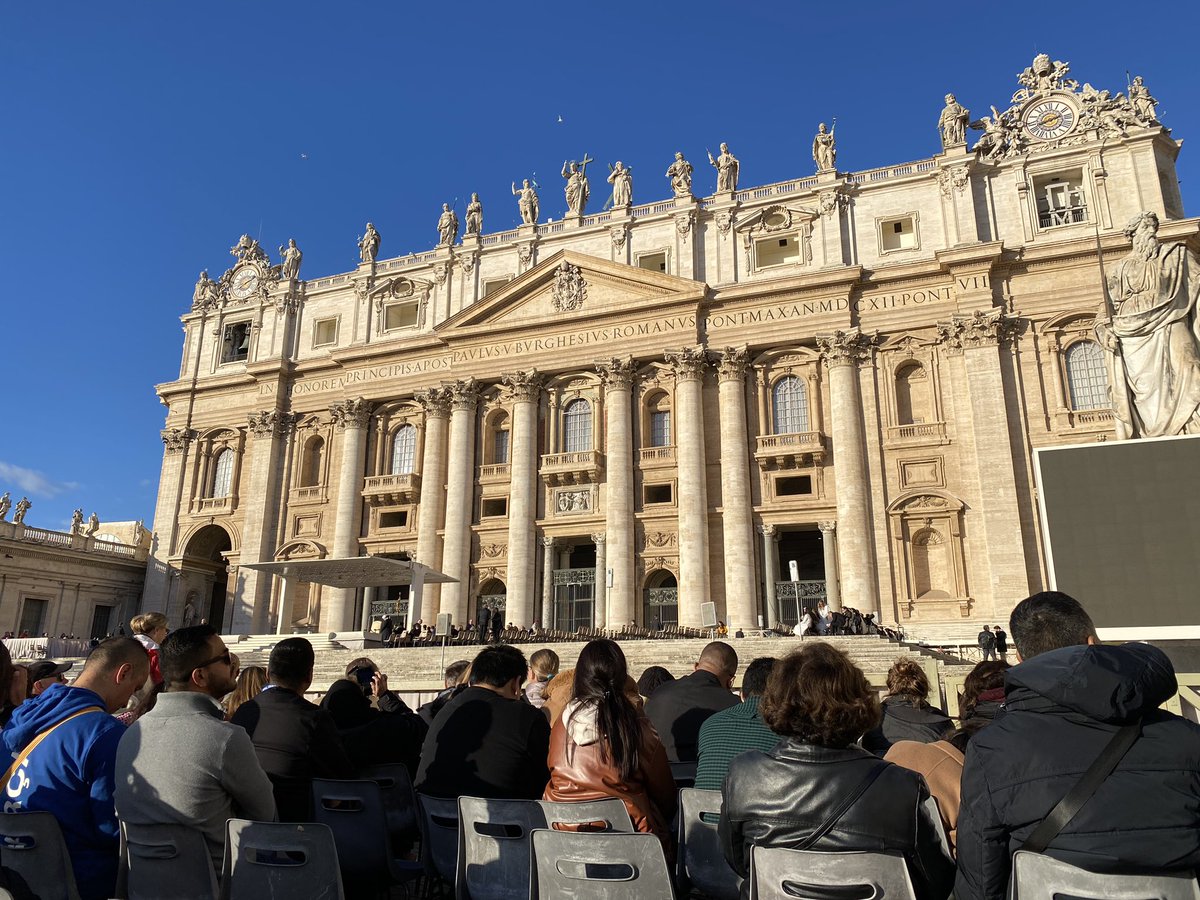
(609, 814)
(493, 848)
(700, 863)
(167, 862)
(1038, 876)
(355, 815)
(439, 837)
(599, 866)
(780, 874)
(31, 844)
(399, 799)
(684, 774)
(279, 859)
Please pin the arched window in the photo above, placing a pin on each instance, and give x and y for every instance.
(1087, 377)
(577, 426)
(501, 440)
(223, 474)
(789, 407)
(658, 422)
(310, 467)
(404, 447)
(912, 395)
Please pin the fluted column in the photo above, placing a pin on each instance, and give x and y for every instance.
(436, 403)
(351, 419)
(843, 352)
(736, 516)
(524, 389)
(770, 573)
(456, 553)
(252, 599)
(833, 592)
(689, 365)
(618, 502)
(547, 581)
(601, 595)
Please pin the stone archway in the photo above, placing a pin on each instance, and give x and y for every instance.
(660, 599)
(204, 576)
(493, 595)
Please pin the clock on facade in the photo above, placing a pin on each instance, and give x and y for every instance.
(1048, 120)
(245, 282)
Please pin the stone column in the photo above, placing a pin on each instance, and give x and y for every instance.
(833, 592)
(369, 594)
(689, 365)
(770, 572)
(601, 594)
(843, 351)
(460, 497)
(269, 431)
(740, 588)
(350, 417)
(547, 581)
(524, 389)
(432, 509)
(166, 516)
(618, 376)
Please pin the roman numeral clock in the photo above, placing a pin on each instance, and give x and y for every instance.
(1049, 119)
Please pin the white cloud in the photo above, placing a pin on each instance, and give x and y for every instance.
(32, 482)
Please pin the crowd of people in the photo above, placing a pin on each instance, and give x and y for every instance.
(162, 728)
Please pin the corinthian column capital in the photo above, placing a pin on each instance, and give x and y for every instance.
(732, 364)
(435, 402)
(688, 363)
(350, 413)
(522, 385)
(616, 372)
(464, 395)
(846, 348)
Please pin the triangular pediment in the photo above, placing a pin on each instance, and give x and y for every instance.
(573, 285)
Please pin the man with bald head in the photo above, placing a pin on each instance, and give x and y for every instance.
(677, 709)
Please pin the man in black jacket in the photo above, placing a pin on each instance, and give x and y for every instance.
(1063, 704)
(677, 709)
(388, 732)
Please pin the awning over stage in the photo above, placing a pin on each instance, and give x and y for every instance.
(354, 572)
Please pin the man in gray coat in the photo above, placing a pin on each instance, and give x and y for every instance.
(182, 763)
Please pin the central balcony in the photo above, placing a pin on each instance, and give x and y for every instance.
(656, 457)
(798, 450)
(390, 489)
(581, 467)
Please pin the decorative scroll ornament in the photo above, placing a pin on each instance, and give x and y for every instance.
(618, 233)
(175, 440)
(270, 422)
(440, 271)
(688, 363)
(350, 413)
(844, 348)
(831, 202)
(724, 223)
(683, 223)
(980, 329)
(525, 254)
(953, 180)
(732, 363)
(492, 551)
(570, 290)
(522, 385)
(617, 372)
(468, 261)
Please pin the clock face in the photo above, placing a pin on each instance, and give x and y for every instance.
(1048, 120)
(245, 281)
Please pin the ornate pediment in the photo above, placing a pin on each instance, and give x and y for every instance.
(778, 217)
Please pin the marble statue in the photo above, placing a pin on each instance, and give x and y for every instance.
(952, 123)
(19, 513)
(189, 609)
(621, 179)
(93, 525)
(206, 292)
(1044, 74)
(680, 173)
(5, 505)
(1143, 103)
(139, 532)
(824, 150)
(528, 202)
(291, 259)
(474, 215)
(727, 167)
(77, 522)
(576, 189)
(368, 245)
(1154, 334)
(447, 226)
(995, 138)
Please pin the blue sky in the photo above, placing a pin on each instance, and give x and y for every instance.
(141, 139)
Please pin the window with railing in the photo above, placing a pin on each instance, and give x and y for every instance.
(1060, 199)
(1087, 376)
(660, 428)
(404, 446)
(577, 426)
(789, 406)
(222, 482)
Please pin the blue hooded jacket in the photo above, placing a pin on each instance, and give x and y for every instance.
(70, 774)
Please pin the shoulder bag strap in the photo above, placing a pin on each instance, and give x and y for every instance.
(849, 800)
(1083, 790)
(32, 745)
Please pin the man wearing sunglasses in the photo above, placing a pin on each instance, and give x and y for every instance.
(182, 763)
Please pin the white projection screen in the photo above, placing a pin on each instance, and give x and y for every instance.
(1121, 525)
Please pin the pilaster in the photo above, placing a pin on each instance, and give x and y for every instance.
(172, 477)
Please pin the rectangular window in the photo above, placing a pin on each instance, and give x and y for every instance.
(655, 262)
(491, 285)
(400, 315)
(793, 486)
(100, 619)
(395, 519)
(1060, 199)
(33, 617)
(236, 344)
(898, 234)
(494, 506)
(657, 493)
(500, 456)
(777, 251)
(660, 428)
(325, 332)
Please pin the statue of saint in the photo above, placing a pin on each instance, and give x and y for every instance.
(1143, 103)
(621, 179)
(5, 505)
(93, 525)
(680, 173)
(1154, 334)
(19, 513)
(824, 150)
(447, 226)
(291, 259)
(368, 245)
(576, 189)
(205, 293)
(77, 522)
(474, 215)
(952, 123)
(528, 204)
(727, 167)
(189, 609)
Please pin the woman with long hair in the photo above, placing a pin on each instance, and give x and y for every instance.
(249, 685)
(601, 746)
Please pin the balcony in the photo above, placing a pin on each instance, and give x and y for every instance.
(917, 433)
(214, 506)
(582, 467)
(494, 474)
(311, 494)
(656, 457)
(392, 489)
(799, 450)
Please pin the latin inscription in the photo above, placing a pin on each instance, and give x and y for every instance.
(872, 303)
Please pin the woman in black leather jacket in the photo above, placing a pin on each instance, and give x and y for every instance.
(819, 702)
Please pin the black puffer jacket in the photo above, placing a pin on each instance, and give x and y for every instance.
(903, 721)
(778, 798)
(1062, 708)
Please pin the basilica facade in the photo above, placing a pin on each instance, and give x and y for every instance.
(829, 387)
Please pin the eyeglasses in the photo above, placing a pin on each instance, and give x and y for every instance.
(224, 657)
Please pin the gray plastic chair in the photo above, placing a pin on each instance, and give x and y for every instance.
(1038, 877)
(166, 862)
(599, 866)
(701, 864)
(357, 817)
(493, 848)
(610, 814)
(32, 846)
(399, 798)
(279, 859)
(439, 837)
(779, 874)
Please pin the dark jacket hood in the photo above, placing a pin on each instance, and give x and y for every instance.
(1108, 684)
(48, 708)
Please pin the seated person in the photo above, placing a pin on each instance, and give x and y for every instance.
(679, 708)
(907, 712)
(390, 733)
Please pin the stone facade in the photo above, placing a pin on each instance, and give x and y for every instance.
(622, 416)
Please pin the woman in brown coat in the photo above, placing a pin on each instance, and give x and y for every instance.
(601, 746)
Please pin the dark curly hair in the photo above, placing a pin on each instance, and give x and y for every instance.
(818, 695)
(907, 679)
(986, 676)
